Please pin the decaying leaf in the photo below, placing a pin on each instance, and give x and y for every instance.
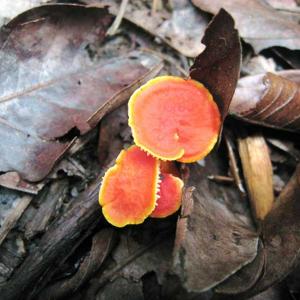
(270, 100)
(258, 173)
(245, 278)
(281, 236)
(214, 236)
(51, 82)
(181, 27)
(281, 242)
(12, 180)
(218, 66)
(259, 24)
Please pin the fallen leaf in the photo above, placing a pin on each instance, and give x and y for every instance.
(271, 100)
(181, 28)
(281, 242)
(244, 279)
(281, 236)
(259, 24)
(218, 66)
(50, 83)
(12, 180)
(215, 236)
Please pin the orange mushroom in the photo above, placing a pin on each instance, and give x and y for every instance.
(174, 119)
(169, 199)
(128, 192)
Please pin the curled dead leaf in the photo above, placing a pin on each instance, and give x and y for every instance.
(269, 100)
(218, 66)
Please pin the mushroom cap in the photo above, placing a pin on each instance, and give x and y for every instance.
(129, 189)
(174, 119)
(170, 194)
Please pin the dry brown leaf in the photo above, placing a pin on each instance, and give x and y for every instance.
(50, 83)
(213, 239)
(258, 173)
(218, 66)
(269, 100)
(259, 24)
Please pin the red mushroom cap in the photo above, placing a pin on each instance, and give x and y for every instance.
(129, 189)
(174, 119)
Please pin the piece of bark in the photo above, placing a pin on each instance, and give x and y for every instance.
(269, 99)
(258, 173)
(12, 253)
(218, 66)
(12, 214)
(38, 224)
(56, 244)
(215, 235)
(102, 244)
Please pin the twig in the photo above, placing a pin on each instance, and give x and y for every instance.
(233, 166)
(156, 5)
(116, 24)
(220, 178)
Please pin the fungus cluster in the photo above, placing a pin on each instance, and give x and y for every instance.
(171, 118)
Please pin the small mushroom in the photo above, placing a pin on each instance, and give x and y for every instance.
(174, 119)
(169, 199)
(128, 192)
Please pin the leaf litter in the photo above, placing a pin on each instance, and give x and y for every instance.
(253, 262)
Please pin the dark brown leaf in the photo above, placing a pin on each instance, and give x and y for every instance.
(244, 279)
(259, 24)
(214, 236)
(281, 242)
(281, 236)
(51, 81)
(218, 66)
(270, 100)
